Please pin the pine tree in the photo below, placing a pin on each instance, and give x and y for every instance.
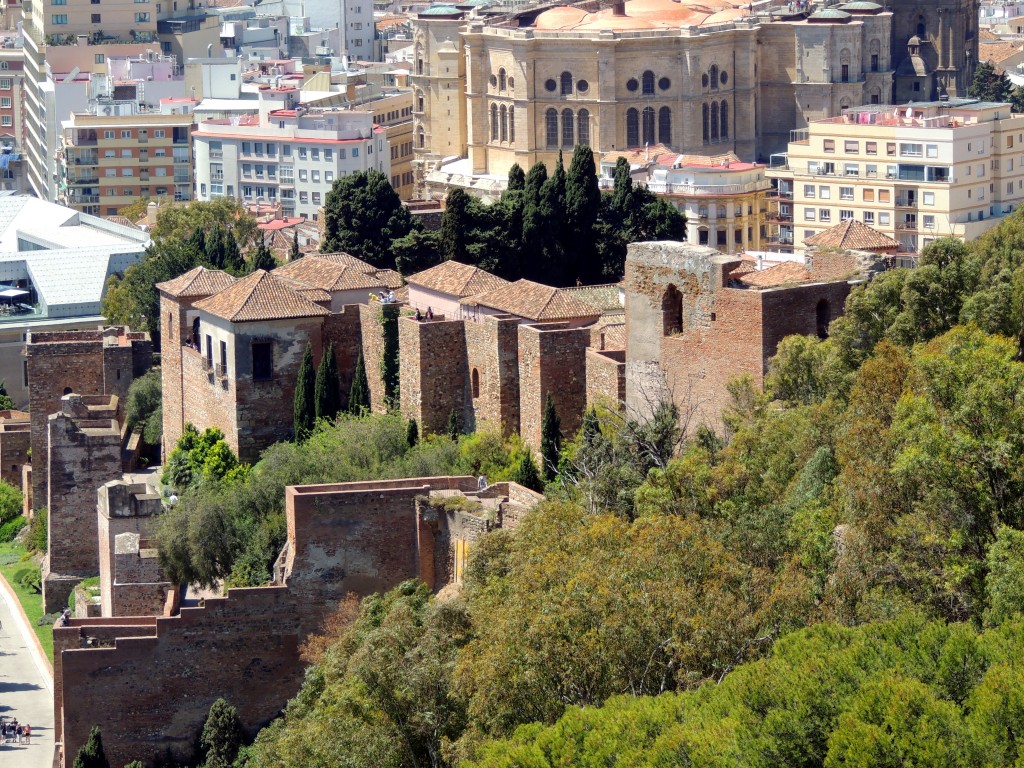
(525, 473)
(222, 735)
(516, 178)
(989, 85)
(91, 754)
(550, 439)
(412, 433)
(454, 428)
(328, 396)
(295, 253)
(359, 394)
(304, 415)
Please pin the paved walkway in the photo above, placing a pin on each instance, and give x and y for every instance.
(25, 690)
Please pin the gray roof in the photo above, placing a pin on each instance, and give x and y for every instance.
(66, 255)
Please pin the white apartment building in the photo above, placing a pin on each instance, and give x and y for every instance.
(286, 154)
(916, 172)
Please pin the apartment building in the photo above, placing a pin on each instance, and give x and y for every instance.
(109, 161)
(12, 106)
(287, 153)
(916, 172)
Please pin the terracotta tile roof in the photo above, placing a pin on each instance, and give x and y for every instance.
(997, 52)
(602, 297)
(346, 260)
(124, 221)
(852, 235)
(196, 283)
(986, 35)
(780, 274)
(316, 272)
(456, 279)
(534, 301)
(390, 278)
(260, 296)
(311, 293)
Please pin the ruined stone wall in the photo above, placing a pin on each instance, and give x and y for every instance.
(122, 508)
(492, 352)
(151, 695)
(699, 362)
(794, 310)
(552, 359)
(373, 349)
(606, 377)
(138, 587)
(433, 373)
(100, 362)
(670, 288)
(15, 441)
(344, 329)
(84, 453)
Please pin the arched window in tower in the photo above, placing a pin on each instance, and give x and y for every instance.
(568, 129)
(551, 127)
(632, 128)
(504, 123)
(723, 118)
(875, 50)
(648, 83)
(671, 311)
(502, 80)
(920, 26)
(648, 125)
(421, 137)
(583, 127)
(824, 317)
(494, 122)
(419, 101)
(713, 76)
(512, 125)
(566, 83)
(714, 121)
(665, 126)
(844, 65)
(704, 115)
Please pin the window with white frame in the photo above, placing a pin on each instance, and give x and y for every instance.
(824, 214)
(809, 214)
(846, 193)
(809, 191)
(869, 217)
(883, 219)
(928, 198)
(929, 221)
(825, 193)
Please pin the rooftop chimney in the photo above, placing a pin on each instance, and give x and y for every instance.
(619, 8)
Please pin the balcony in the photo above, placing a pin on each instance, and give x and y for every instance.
(906, 202)
(779, 216)
(910, 226)
(89, 178)
(215, 154)
(82, 199)
(86, 159)
(665, 188)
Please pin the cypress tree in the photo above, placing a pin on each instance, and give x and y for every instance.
(197, 242)
(296, 253)
(261, 258)
(328, 396)
(214, 249)
(550, 439)
(412, 433)
(535, 182)
(454, 428)
(552, 268)
(455, 225)
(222, 735)
(516, 178)
(525, 473)
(231, 253)
(582, 210)
(304, 416)
(91, 754)
(359, 394)
(591, 428)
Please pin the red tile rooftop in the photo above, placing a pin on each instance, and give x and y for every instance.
(280, 223)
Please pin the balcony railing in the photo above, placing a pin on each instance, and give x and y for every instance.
(665, 188)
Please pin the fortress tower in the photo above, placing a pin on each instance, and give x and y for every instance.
(935, 47)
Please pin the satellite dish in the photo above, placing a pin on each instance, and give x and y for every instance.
(910, 112)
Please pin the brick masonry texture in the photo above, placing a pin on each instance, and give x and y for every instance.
(84, 453)
(15, 441)
(606, 377)
(149, 682)
(125, 508)
(101, 362)
(551, 361)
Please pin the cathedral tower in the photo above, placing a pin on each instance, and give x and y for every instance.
(935, 47)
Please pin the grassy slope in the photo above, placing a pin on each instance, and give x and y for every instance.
(32, 602)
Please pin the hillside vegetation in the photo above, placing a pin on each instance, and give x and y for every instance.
(835, 581)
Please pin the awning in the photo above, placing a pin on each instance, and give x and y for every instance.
(10, 293)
